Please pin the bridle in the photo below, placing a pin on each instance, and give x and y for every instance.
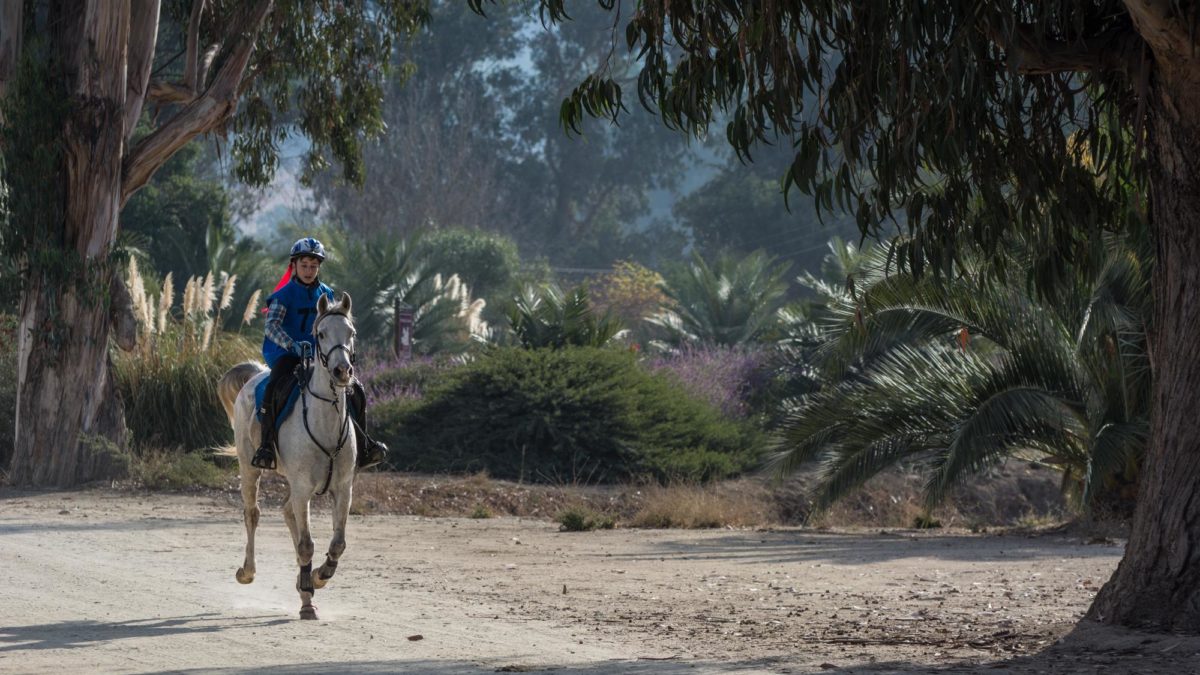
(306, 391)
(324, 356)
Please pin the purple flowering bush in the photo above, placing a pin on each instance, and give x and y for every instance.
(387, 378)
(730, 378)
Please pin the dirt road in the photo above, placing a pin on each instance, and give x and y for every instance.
(101, 581)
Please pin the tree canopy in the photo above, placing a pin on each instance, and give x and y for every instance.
(1042, 114)
(904, 113)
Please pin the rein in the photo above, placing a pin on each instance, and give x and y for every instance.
(306, 390)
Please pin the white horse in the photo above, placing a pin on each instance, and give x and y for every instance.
(316, 446)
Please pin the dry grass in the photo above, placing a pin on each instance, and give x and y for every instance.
(1016, 497)
(705, 506)
(174, 470)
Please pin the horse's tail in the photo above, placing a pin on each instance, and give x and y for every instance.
(232, 382)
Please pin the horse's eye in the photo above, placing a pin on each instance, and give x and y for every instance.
(320, 334)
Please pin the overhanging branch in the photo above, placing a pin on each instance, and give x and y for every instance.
(1029, 55)
(143, 37)
(200, 114)
(191, 66)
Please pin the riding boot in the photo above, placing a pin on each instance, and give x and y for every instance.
(370, 451)
(264, 457)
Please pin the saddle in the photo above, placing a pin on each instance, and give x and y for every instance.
(284, 394)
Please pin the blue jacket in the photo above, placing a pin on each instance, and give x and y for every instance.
(299, 307)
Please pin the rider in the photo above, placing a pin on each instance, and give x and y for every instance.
(291, 310)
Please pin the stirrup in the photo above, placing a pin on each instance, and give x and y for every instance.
(372, 455)
(264, 458)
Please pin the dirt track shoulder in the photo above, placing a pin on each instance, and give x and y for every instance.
(107, 582)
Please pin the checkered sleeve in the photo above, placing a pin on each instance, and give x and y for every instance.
(275, 332)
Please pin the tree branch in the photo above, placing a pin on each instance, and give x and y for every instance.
(201, 114)
(165, 93)
(143, 38)
(1032, 56)
(191, 66)
(206, 60)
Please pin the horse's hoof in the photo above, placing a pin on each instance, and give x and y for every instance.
(243, 577)
(318, 582)
(308, 612)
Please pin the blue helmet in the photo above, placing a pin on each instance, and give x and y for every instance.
(308, 247)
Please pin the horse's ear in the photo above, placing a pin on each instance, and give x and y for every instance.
(345, 302)
(323, 304)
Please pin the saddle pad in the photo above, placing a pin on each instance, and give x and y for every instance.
(261, 389)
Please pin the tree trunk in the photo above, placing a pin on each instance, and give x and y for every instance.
(70, 423)
(1157, 585)
(11, 25)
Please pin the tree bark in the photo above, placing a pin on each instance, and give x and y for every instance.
(1157, 585)
(143, 39)
(70, 423)
(11, 26)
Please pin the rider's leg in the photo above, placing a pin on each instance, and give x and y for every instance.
(264, 457)
(370, 451)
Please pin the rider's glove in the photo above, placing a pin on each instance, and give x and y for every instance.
(298, 349)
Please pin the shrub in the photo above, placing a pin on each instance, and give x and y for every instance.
(386, 378)
(728, 378)
(170, 392)
(485, 261)
(583, 519)
(567, 415)
(156, 470)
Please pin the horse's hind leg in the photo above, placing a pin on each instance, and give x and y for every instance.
(250, 513)
(337, 543)
(302, 537)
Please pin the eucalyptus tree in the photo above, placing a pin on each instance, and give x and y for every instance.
(965, 96)
(474, 141)
(76, 77)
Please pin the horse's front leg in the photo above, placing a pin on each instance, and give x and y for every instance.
(250, 514)
(302, 537)
(337, 543)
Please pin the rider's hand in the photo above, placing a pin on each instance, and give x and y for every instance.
(298, 349)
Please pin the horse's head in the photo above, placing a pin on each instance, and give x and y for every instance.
(334, 333)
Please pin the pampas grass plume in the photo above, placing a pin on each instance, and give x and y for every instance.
(227, 293)
(137, 292)
(205, 304)
(165, 300)
(251, 308)
(189, 298)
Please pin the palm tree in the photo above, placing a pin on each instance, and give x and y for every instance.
(961, 373)
(378, 270)
(542, 317)
(730, 303)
